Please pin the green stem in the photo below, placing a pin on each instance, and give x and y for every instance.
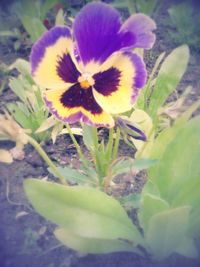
(78, 149)
(47, 159)
(116, 144)
(110, 145)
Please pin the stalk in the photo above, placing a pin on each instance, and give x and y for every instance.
(49, 162)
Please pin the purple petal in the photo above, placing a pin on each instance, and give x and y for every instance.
(48, 39)
(96, 32)
(140, 76)
(141, 27)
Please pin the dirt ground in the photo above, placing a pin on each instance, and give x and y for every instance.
(26, 239)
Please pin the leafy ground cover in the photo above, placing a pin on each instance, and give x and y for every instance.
(26, 239)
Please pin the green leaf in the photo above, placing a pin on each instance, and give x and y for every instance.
(188, 193)
(72, 175)
(90, 137)
(150, 205)
(48, 4)
(126, 165)
(33, 26)
(147, 90)
(85, 211)
(131, 201)
(166, 231)
(180, 161)
(168, 78)
(91, 245)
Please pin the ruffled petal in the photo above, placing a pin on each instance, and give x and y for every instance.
(52, 61)
(77, 104)
(141, 28)
(117, 84)
(99, 32)
(96, 32)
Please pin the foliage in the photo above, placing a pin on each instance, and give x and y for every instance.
(185, 19)
(141, 6)
(32, 14)
(168, 205)
(29, 112)
(84, 232)
(168, 211)
(169, 201)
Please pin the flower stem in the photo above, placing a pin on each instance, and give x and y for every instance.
(116, 144)
(47, 159)
(78, 149)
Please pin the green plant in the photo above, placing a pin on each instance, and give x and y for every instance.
(140, 6)
(185, 19)
(89, 220)
(32, 15)
(30, 111)
(168, 205)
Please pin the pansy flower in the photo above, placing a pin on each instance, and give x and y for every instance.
(90, 72)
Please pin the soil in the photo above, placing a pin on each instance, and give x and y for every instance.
(26, 239)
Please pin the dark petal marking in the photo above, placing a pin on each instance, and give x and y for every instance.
(96, 30)
(107, 82)
(66, 69)
(48, 39)
(75, 96)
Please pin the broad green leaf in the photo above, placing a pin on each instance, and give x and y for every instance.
(180, 161)
(167, 135)
(92, 245)
(188, 193)
(168, 78)
(151, 205)
(150, 188)
(166, 231)
(85, 211)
